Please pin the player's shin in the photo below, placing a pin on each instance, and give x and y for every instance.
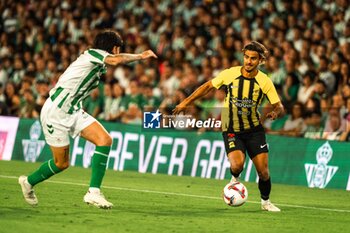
(45, 171)
(98, 165)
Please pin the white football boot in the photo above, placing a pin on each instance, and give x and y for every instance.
(268, 206)
(28, 191)
(97, 199)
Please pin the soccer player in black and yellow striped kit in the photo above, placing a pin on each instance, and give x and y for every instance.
(246, 86)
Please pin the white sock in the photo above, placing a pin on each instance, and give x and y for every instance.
(264, 201)
(94, 190)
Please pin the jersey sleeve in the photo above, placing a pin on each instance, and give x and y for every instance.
(97, 56)
(219, 80)
(270, 91)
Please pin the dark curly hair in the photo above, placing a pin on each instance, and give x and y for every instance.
(106, 40)
(257, 47)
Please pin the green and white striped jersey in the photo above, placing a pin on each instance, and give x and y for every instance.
(80, 78)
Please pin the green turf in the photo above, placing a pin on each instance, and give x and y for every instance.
(156, 208)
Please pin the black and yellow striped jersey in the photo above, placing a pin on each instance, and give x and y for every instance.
(244, 95)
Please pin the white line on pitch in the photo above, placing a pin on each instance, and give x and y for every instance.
(181, 194)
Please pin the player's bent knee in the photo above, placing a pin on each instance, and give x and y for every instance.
(62, 165)
(264, 175)
(106, 140)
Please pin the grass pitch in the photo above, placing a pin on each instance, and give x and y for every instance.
(161, 203)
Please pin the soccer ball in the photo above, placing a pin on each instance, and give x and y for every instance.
(235, 194)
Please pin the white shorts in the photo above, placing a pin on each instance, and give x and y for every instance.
(59, 125)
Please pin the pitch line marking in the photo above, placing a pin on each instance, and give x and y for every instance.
(181, 194)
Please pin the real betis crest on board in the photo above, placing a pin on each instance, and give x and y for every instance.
(32, 147)
(318, 175)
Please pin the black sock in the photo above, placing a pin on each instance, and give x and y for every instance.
(265, 188)
(236, 175)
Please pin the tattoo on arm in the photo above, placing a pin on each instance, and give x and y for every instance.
(122, 58)
(126, 57)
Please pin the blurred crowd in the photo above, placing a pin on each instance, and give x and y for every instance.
(309, 44)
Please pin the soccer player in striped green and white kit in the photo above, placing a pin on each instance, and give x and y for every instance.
(62, 116)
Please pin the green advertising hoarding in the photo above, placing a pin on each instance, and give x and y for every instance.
(298, 161)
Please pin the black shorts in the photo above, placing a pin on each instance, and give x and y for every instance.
(253, 142)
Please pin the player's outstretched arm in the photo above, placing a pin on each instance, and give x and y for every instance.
(277, 111)
(128, 57)
(198, 93)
